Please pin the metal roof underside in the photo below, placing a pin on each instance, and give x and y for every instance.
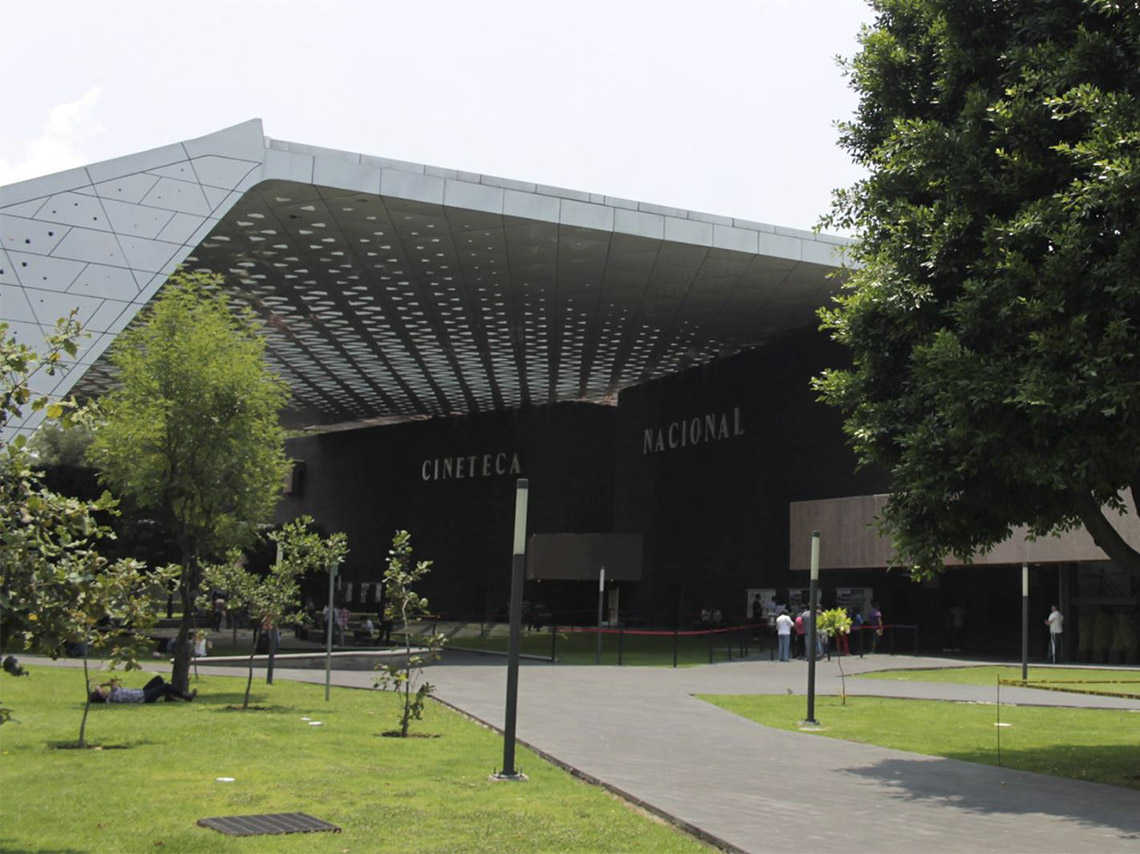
(382, 307)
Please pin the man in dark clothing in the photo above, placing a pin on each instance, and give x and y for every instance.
(113, 692)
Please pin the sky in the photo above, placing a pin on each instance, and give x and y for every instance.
(726, 106)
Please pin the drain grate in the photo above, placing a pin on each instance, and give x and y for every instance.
(267, 824)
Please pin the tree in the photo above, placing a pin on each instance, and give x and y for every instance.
(407, 606)
(834, 623)
(273, 599)
(993, 296)
(192, 431)
(56, 590)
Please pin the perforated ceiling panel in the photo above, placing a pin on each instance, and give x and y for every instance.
(378, 306)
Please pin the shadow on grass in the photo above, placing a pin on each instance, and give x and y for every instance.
(228, 698)
(965, 786)
(1115, 764)
(72, 744)
(9, 846)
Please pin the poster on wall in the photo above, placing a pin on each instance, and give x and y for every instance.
(855, 600)
(762, 596)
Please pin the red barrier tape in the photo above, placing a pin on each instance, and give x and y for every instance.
(651, 632)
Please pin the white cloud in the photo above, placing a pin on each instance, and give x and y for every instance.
(61, 142)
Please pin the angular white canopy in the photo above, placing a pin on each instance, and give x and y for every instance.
(391, 289)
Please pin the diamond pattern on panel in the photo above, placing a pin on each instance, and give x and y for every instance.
(375, 306)
(96, 247)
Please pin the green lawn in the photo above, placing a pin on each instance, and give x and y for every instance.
(157, 771)
(1102, 681)
(1085, 744)
(633, 649)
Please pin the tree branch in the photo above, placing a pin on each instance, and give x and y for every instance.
(1103, 533)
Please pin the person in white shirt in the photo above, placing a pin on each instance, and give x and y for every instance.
(784, 626)
(1055, 621)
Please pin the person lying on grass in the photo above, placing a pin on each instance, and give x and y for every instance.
(113, 692)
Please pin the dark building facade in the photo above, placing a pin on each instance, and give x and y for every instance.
(702, 465)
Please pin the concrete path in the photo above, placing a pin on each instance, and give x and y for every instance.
(750, 788)
(757, 789)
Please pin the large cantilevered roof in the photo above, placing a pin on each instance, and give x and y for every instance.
(390, 289)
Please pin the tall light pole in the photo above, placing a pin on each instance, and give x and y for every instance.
(1024, 622)
(329, 631)
(601, 597)
(812, 591)
(518, 566)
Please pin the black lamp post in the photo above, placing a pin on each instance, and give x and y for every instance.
(518, 565)
(812, 629)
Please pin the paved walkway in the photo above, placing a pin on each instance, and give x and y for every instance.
(642, 732)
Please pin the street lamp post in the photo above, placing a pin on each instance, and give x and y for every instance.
(518, 565)
(601, 597)
(329, 630)
(812, 629)
(1024, 622)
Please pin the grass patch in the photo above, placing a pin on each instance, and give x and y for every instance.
(388, 794)
(1102, 681)
(632, 650)
(1098, 745)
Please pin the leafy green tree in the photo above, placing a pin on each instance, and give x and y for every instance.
(273, 599)
(407, 606)
(993, 297)
(833, 623)
(191, 433)
(56, 589)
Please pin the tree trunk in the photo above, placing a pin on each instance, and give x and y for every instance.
(86, 699)
(407, 672)
(249, 678)
(180, 675)
(1106, 537)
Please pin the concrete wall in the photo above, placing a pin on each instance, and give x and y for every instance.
(849, 537)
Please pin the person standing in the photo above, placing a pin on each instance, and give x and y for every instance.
(875, 619)
(784, 626)
(1056, 621)
(801, 634)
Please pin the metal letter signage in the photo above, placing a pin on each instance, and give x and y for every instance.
(712, 427)
(500, 464)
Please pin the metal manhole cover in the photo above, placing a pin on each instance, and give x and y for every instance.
(267, 824)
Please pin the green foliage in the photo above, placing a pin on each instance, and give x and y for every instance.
(273, 599)
(56, 589)
(834, 622)
(58, 445)
(191, 433)
(407, 606)
(993, 300)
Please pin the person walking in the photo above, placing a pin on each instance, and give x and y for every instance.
(1056, 621)
(784, 627)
